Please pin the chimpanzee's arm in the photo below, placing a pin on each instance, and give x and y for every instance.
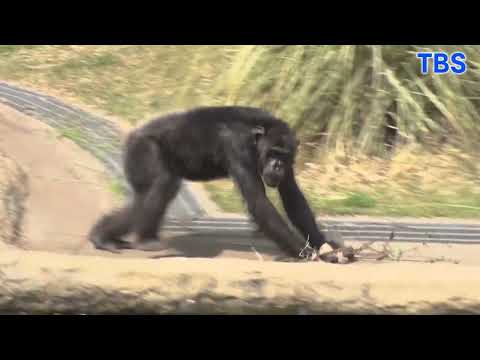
(299, 211)
(262, 210)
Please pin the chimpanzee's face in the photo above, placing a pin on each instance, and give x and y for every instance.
(276, 157)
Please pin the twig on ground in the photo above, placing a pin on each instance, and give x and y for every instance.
(252, 246)
(303, 253)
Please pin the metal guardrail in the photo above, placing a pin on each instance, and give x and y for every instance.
(358, 230)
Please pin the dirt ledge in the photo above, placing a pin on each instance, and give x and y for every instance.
(13, 192)
(36, 282)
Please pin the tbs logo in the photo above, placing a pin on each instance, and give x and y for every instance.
(443, 63)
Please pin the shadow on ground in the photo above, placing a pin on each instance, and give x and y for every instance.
(193, 245)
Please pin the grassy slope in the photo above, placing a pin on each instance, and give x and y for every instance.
(133, 83)
(414, 183)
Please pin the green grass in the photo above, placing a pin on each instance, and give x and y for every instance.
(117, 188)
(114, 185)
(71, 133)
(229, 201)
(6, 50)
(464, 204)
(359, 200)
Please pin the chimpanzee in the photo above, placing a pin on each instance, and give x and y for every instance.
(206, 143)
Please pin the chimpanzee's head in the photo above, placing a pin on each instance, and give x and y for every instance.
(276, 149)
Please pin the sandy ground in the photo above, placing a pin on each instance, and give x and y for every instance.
(68, 190)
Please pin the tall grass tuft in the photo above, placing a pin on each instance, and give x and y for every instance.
(360, 98)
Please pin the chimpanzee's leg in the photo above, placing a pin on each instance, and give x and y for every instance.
(154, 185)
(264, 213)
(107, 233)
(151, 210)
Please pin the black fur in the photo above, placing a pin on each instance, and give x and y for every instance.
(247, 144)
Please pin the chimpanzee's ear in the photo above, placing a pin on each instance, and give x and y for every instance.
(258, 131)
